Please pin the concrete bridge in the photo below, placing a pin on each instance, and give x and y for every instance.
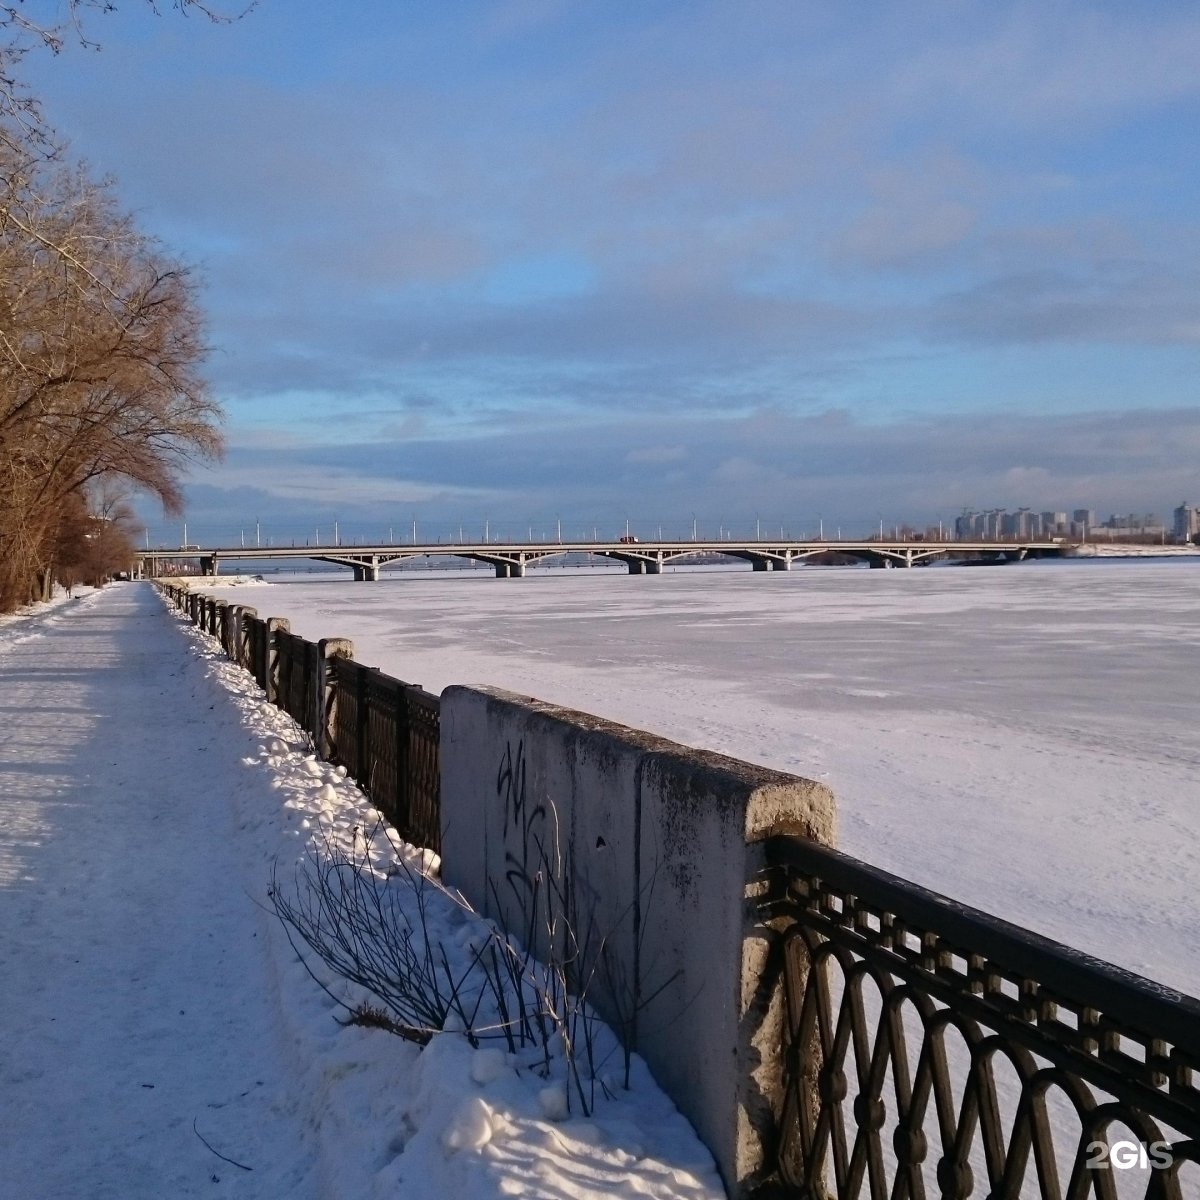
(641, 558)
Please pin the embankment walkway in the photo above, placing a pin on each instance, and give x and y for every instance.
(136, 997)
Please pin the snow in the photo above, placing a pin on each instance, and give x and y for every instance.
(1021, 738)
(162, 1037)
(1103, 550)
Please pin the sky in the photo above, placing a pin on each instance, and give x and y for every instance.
(530, 261)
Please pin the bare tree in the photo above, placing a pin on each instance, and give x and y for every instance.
(52, 25)
(96, 535)
(101, 338)
(101, 343)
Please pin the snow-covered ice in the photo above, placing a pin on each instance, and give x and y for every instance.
(1022, 738)
(158, 1024)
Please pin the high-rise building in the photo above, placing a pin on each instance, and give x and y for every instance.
(1186, 522)
(966, 527)
(1019, 524)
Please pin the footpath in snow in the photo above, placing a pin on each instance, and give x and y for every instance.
(158, 1024)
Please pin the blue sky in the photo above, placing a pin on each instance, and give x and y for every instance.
(529, 260)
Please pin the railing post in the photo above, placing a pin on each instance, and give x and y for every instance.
(271, 649)
(325, 691)
(241, 643)
(221, 623)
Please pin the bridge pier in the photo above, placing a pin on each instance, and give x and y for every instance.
(779, 561)
(366, 572)
(209, 566)
(509, 570)
(644, 566)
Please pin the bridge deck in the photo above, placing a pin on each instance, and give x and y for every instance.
(510, 558)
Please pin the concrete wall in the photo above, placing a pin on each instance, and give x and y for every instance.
(653, 844)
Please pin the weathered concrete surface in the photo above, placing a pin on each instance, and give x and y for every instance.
(654, 845)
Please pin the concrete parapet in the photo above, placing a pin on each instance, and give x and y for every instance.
(271, 649)
(241, 637)
(657, 846)
(326, 698)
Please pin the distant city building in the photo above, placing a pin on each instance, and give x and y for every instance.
(1025, 525)
(1021, 525)
(1186, 522)
(1138, 525)
(981, 526)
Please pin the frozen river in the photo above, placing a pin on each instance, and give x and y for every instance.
(1022, 738)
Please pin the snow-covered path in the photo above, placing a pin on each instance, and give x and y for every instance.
(135, 998)
(148, 1001)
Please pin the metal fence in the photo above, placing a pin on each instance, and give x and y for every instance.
(934, 1051)
(385, 732)
(382, 730)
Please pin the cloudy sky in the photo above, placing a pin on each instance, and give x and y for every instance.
(530, 260)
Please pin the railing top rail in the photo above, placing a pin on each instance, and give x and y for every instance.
(377, 681)
(1069, 974)
(418, 695)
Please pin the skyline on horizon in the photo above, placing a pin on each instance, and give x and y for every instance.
(531, 261)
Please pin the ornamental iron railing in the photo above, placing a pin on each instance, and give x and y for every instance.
(297, 694)
(934, 1051)
(383, 731)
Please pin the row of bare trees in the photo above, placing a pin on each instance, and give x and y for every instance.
(101, 344)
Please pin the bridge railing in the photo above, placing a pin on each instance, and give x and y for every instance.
(933, 1050)
(384, 731)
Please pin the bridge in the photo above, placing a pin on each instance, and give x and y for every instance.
(510, 559)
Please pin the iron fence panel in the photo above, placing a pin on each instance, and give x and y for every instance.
(933, 1050)
(423, 774)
